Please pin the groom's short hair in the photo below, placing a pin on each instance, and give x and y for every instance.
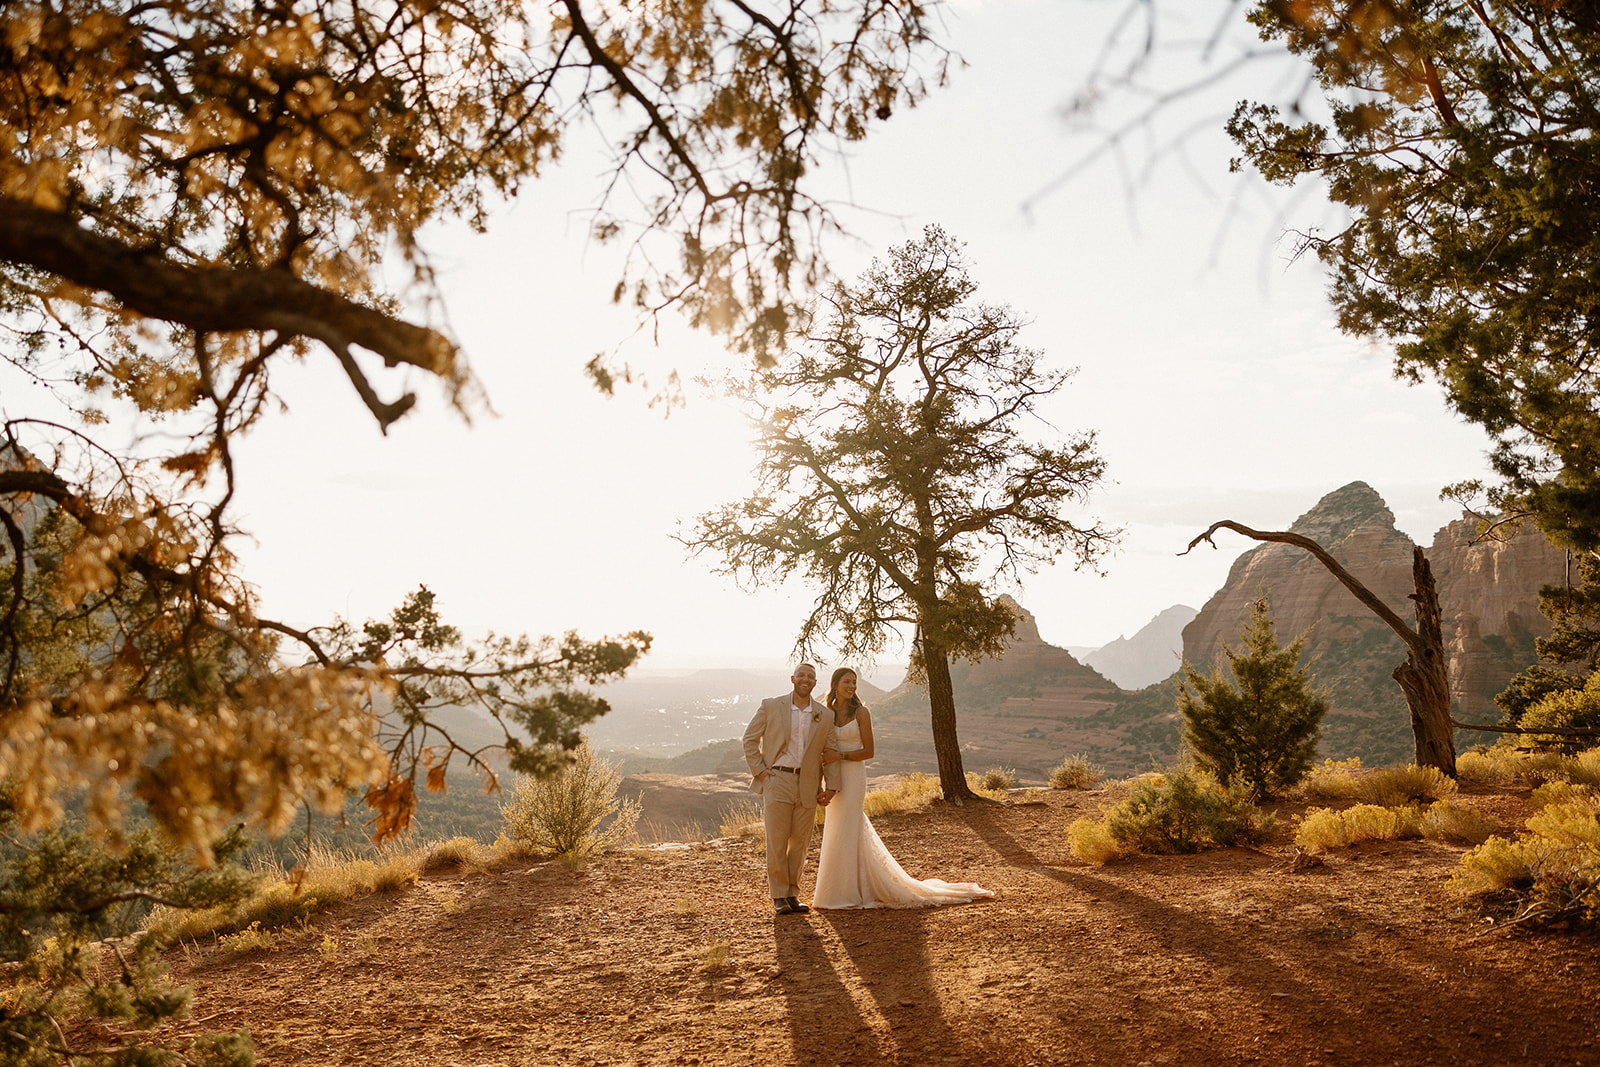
(797, 667)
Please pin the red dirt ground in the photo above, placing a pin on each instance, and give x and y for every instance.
(671, 956)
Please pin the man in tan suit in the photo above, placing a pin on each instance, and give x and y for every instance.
(783, 745)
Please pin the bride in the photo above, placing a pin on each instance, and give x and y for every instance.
(855, 870)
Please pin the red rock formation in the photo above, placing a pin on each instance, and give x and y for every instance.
(1488, 594)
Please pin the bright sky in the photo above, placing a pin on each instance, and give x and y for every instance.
(1209, 367)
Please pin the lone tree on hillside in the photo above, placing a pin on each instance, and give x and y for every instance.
(1262, 727)
(893, 473)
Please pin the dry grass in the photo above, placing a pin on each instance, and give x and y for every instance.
(911, 792)
(1457, 824)
(326, 877)
(996, 780)
(744, 819)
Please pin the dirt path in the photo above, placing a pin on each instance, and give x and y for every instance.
(672, 957)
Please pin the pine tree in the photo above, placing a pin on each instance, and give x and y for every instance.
(1262, 727)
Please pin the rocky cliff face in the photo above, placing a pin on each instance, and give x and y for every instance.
(1488, 595)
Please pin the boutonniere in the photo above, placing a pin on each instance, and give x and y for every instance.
(816, 716)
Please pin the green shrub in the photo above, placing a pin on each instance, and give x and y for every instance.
(1259, 730)
(1182, 811)
(1565, 709)
(1075, 772)
(564, 815)
(1393, 787)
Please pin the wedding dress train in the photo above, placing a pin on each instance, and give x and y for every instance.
(856, 870)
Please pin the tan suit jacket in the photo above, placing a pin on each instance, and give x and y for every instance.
(768, 732)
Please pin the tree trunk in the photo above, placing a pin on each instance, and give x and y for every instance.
(1425, 676)
(942, 702)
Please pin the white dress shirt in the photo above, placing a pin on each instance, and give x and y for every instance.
(794, 749)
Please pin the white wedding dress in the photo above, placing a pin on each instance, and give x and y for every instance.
(855, 870)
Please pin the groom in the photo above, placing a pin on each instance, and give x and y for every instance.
(783, 745)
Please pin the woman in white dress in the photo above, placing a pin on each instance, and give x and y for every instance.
(855, 870)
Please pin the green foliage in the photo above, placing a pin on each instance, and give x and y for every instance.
(563, 815)
(1532, 686)
(1463, 141)
(1574, 614)
(61, 895)
(1564, 709)
(1075, 772)
(1183, 810)
(1261, 729)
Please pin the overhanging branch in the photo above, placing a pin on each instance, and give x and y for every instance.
(221, 299)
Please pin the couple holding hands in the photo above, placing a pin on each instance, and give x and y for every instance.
(803, 754)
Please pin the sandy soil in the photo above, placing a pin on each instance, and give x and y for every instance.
(672, 956)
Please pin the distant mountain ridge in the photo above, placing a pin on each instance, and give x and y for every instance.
(1150, 655)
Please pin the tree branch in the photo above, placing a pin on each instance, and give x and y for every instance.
(1348, 580)
(221, 299)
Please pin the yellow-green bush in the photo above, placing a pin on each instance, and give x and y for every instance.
(995, 780)
(1395, 786)
(1552, 869)
(1558, 791)
(1458, 824)
(1092, 842)
(1075, 772)
(1330, 780)
(565, 814)
(1323, 828)
(1501, 763)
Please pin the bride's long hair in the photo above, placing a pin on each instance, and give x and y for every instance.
(833, 692)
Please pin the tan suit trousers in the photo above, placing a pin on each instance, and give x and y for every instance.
(790, 822)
